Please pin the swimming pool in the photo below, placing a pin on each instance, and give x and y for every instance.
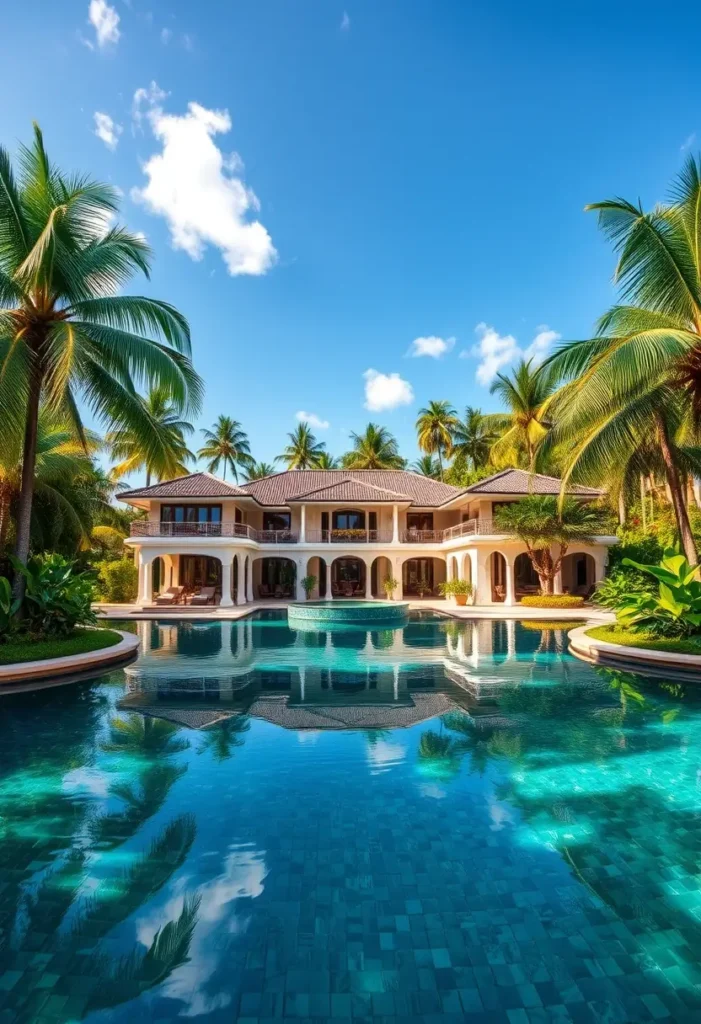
(442, 822)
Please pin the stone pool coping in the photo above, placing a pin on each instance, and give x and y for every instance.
(26, 671)
(587, 648)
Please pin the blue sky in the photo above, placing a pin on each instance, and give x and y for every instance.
(405, 169)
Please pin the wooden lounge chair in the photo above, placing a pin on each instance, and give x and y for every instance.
(264, 590)
(205, 596)
(170, 596)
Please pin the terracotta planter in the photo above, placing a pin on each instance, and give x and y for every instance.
(461, 599)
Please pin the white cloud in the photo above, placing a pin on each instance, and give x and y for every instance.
(312, 419)
(431, 346)
(496, 351)
(345, 22)
(107, 129)
(165, 36)
(386, 391)
(105, 20)
(191, 184)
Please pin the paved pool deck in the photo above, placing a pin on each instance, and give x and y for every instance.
(132, 611)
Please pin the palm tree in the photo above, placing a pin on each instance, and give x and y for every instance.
(473, 438)
(427, 466)
(526, 394)
(227, 445)
(66, 332)
(434, 427)
(375, 448)
(136, 452)
(645, 358)
(539, 521)
(303, 451)
(326, 461)
(61, 458)
(257, 470)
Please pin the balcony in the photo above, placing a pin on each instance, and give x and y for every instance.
(422, 536)
(471, 528)
(143, 528)
(349, 536)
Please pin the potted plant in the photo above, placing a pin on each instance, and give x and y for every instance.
(389, 585)
(459, 589)
(308, 584)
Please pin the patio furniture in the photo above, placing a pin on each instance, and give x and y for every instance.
(264, 590)
(204, 596)
(170, 596)
(348, 590)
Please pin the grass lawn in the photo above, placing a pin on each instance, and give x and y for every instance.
(79, 642)
(617, 635)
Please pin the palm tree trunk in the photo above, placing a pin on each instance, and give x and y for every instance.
(680, 510)
(621, 508)
(148, 477)
(5, 498)
(440, 463)
(26, 496)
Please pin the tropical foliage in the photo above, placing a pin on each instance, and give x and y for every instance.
(675, 610)
(434, 430)
(375, 448)
(303, 450)
(136, 452)
(56, 597)
(227, 447)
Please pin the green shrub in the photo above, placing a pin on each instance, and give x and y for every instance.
(451, 588)
(552, 601)
(308, 584)
(118, 580)
(8, 608)
(389, 585)
(56, 598)
(675, 610)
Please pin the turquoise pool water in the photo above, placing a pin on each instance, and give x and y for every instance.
(439, 823)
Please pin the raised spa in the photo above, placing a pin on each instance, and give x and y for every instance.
(324, 612)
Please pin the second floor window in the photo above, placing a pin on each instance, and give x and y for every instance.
(348, 520)
(419, 520)
(276, 520)
(190, 513)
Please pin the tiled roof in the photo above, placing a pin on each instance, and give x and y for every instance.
(518, 481)
(350, 490)
(402, 485)
(195, 485)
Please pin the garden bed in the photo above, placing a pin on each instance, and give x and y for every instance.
(615, 634)
(80, 641)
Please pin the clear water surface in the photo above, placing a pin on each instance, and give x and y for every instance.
(442, 822)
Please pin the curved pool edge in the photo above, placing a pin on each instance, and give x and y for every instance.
(594, 651)
(28, 671)
(310, 614)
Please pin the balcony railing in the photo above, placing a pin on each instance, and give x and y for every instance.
(422, 536)
(349, 536)
(470, 528)
(145, 528)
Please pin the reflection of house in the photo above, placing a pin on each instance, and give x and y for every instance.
(349, 529)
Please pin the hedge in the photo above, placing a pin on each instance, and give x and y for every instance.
(552, 601)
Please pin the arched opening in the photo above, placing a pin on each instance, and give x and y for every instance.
(276, 577)
(159, 576)
(198, 571)
(454, 573)
(578, 574)
(497, 565)
(422, 577)
(525, 577)
(380, 569)
(316, 566)
(348, 577)
(467, 568)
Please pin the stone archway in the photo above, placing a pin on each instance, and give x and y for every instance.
(274, 577)
(348, 577)
(422, 577)
(317, 566)
(498, 569)
(380, 569)
(526, 579)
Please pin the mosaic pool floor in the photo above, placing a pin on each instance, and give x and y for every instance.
(440, 823)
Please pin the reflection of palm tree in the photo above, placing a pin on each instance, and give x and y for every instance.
(224, 736)
(143, 735)
(140, 804)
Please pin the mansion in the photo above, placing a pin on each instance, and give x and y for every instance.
(349, 529)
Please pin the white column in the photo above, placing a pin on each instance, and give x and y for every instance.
(249, 582)
(395, 524)
(368, 581)
(474, 574)
(226, 601)
(601, 558)
(299, 589)
(329, 588)
(510, 595)
(240, 596)
(302, 524)
(145, 578)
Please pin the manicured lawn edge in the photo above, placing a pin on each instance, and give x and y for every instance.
(81, 641)
(615, 634)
